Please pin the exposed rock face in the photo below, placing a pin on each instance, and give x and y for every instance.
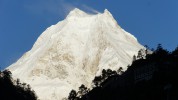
(73, 51)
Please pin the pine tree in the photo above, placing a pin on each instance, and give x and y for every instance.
(73, 95)
(134, 58)
(120, 71)
(97, 81)
(175, 52)
(9, 90)
(18, 82)
(139, 56)
(82, 90)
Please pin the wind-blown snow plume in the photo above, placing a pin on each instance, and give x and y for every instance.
(87, 8)
(58, 7)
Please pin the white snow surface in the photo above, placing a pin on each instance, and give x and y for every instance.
(73, 52)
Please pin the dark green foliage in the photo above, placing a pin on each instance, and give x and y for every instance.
(82, 90)
(140, 54)
(153, 78)
(134, 58)
(146, 50)
(110, 72)
(105, 74)
(175, 52)
(73, 95)
(120, 70)
(97, 81)
(160, 52)
(12, 90)
(7, 74)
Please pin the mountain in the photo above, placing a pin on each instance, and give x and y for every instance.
(73, 52)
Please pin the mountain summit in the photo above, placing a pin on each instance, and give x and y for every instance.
(77, 13)
(73, 52)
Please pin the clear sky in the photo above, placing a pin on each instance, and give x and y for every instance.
(22, 21)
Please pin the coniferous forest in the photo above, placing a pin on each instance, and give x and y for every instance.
(11, 89)
(152, 76)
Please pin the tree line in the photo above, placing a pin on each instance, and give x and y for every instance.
(152, 76)
(11, 89)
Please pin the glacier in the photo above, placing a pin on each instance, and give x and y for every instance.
(73, 52)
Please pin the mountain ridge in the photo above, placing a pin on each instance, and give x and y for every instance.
(73, 51)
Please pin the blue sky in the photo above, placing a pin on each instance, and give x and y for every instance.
(22, 21)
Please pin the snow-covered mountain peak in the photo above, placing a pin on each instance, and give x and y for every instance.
(106, 11)
(77, 13)
(73, 52)
(109, 16)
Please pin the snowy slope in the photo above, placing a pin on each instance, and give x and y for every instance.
(73, 51)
